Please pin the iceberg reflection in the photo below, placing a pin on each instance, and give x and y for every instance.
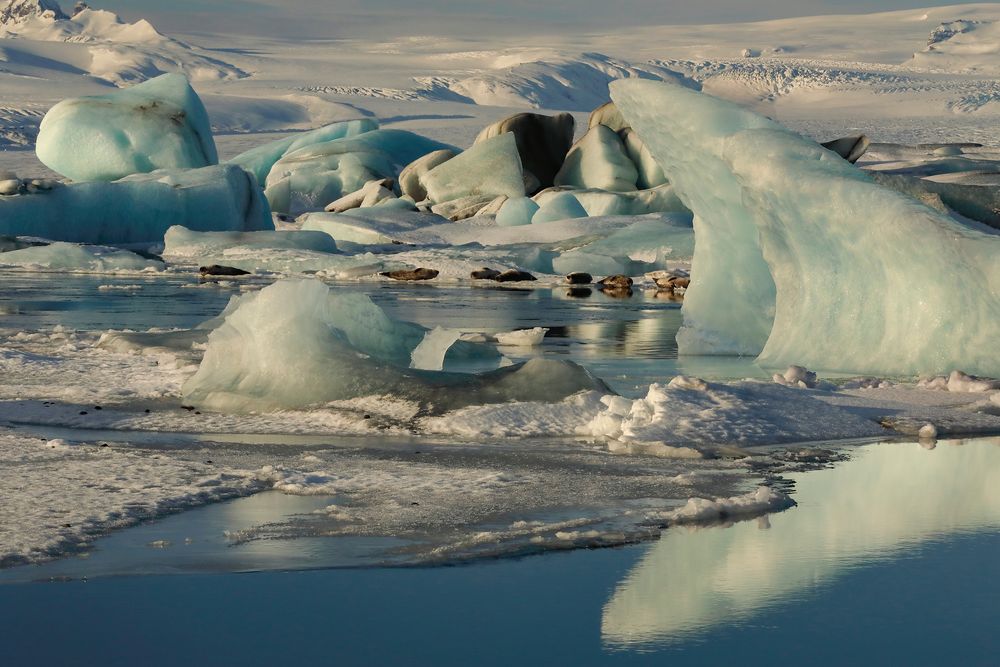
(888, 498)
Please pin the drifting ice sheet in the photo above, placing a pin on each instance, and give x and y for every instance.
(867, 279)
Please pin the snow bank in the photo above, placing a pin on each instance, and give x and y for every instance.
(140, 208)
(159, 124)
(867, 280)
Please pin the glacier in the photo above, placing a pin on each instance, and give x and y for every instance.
(158, 124)
(864, 279)
(300, 344)
(140, 208)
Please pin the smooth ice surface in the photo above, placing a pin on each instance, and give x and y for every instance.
(158, 124)
(868, 279)
(728, 309)
(259, 160)
(491, 167)
(516, 211)
(182, 242)
(560, 206)
(661, 199)
(140, 208)
(72, 257)
(303, 345)
(311, 177)
(599, 161)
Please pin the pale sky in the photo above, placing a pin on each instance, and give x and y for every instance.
(345, 18)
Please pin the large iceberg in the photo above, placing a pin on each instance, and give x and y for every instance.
(296, 344)
(313, 176)
(141, 208)
(866, 279)
(489, 168)
(78, 258)
(261, 159)
(158, 124)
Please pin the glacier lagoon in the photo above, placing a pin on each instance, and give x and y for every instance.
(852, 560)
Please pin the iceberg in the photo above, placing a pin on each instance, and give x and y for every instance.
(82, 258)
(866, 279)
(158, 124)
(312, 177)
(491, 167)
(429, 354)
(181, 242)
(261, 159)
(561, 206)
(299, 344)
(516, 211)
(140, 208)
(599, 161)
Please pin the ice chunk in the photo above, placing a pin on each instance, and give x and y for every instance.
(429, 354)
(140, 208)
(343, 347)
(312, 177)
(931, 301)
(158, 124)
(561, 206)
(491, 167)
(542, 142)
(650, 174)
(523, 337)
(598, 160)
(72, 257)
(373, 226)
(410, 179)
(260, 160)
(661, 199)
(516, 211)
(182, 242)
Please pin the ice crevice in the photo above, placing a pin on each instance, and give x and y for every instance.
(801, 258)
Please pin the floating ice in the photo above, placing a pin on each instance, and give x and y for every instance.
(311, 177)
(516, 211)
(72, 257)
(490, 168)
(598, 161)
(140, 208)
(182, 242)
(261, 159)
(661, 199)
(299, 345)
(429, 354)
(868, 280)
(159, 124)
(523, 337)
(560, 206)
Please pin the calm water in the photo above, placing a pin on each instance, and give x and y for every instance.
(890, 557)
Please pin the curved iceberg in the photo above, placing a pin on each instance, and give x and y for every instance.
(865, 279)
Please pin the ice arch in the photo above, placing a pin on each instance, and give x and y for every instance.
(858, 278)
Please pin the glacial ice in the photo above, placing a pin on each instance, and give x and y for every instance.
(491, 167)
(661, 199)
(182, 242)
(313, 176)
(429, 354)
(300, 345)
(867, 280)
(560, 206)
(158, 124)
(140, 208)
(598, 161)
(516, 211)
(261, 159)
(72, 257)
(729, 308)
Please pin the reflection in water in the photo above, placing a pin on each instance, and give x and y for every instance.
(886, 499)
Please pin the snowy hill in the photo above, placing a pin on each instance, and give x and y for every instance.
(103, 46)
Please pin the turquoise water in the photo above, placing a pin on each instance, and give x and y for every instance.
(889, 558)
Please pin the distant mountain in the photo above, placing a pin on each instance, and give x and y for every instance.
(109, 48)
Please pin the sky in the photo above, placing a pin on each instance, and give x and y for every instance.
(351, 18)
